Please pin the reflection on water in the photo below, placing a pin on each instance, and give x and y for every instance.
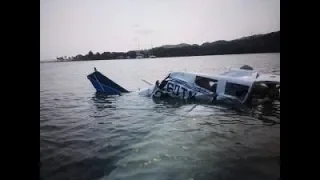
(102, 101)
(87, 135)
(268, 113)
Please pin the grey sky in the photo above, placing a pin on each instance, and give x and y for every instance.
(71, 27)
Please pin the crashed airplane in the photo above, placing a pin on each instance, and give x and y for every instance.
(241, 85)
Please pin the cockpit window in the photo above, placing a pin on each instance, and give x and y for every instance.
(207, 83)
(238, 90)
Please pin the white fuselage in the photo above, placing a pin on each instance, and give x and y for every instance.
(235, 84)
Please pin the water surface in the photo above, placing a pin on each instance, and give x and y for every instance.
(85, 135)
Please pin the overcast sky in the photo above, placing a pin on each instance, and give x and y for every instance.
(71, 27)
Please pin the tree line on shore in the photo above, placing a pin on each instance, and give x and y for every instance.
(264, 43)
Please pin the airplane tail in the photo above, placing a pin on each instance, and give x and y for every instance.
(105, 85)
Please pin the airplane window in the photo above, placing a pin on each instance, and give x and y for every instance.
(237, 90)
(206, 83)
(211, 83)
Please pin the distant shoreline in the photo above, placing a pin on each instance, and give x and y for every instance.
(56, 61)
(263, 43)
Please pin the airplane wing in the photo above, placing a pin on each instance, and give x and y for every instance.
(268, 78)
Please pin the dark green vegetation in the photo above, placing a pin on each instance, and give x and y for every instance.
(265, 43)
